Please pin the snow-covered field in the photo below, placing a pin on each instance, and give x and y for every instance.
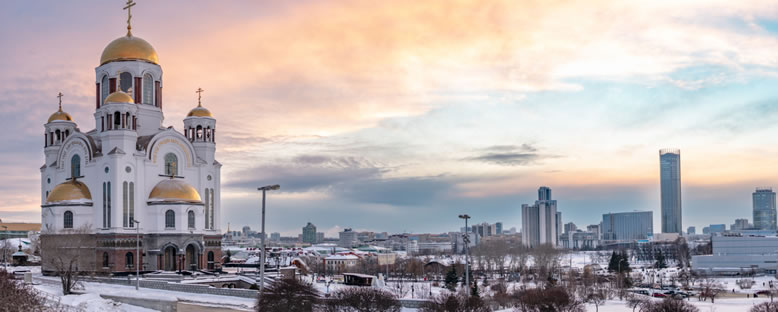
(91, 300)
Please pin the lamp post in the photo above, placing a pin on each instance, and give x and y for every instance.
(620, 277)
(138, 256)
(5, 246)
(264, 189)
(466, 240)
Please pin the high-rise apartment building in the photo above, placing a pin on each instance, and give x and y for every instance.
(570, 227)
(348, 238)
(594, 228)
(764, 209)
(740, 224)
(627, 226)
(309, 233)
(670, 183)
(691, 230)
(539, 221)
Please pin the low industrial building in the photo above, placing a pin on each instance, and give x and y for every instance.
(735, 254)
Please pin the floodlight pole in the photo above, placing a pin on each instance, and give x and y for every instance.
(466, 240)
(264, 189)
(5, 246)
(139, 257)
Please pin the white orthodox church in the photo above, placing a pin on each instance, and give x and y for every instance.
(131, 173)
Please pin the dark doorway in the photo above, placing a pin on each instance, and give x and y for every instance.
(191, 257)
(170, 258)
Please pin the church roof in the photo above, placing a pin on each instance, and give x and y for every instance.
(199, 111)
(116, 151)
(129, 48)
(70, 191)
(119, 97)
(60, 116)
(174, 191)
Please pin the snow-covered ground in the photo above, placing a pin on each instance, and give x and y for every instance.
(91, 301)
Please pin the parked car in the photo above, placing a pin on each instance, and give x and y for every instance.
(658, 295)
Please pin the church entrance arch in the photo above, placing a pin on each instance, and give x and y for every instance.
(170, 258)
(191, 257)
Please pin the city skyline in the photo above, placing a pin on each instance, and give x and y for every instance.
(369, 127)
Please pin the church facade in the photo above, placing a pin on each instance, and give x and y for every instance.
(131, 175)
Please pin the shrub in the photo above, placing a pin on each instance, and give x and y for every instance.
(668, 304)
(765, 307)
(548, 299)
(362, 299)
(288, 295)
(18, 297)
(455, 303)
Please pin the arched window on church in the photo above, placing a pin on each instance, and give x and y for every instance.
(170, 219)
(171, 164)
(191, 219)
(117, 120)
(148, 89)
(105, 260)
(210, 260)
(199, 133)
(75, 166)
(129, 261)
(68, 220)
(126, 79)
(104, 89)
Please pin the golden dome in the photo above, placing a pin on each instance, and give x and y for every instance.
(129, 48)
(199, 111)
(174, 191)
(69, 191)
(119, 97)
(60, 115)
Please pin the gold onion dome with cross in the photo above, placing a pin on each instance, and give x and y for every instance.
(129, 47)
(199, 111)
(59, 114)
(119, 96)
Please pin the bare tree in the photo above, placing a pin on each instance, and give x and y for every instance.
(596, 296)
(69, 256)
(710, 289)
(546, 259)
(634, 301)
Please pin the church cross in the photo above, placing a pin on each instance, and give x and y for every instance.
(199, 95)
(59, 95)
(129, 6)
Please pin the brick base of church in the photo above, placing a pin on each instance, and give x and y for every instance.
(106, 254)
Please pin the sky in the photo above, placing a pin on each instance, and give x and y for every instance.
(400, 115)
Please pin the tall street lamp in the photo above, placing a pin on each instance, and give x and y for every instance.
(466, 240)
(5, 246)
(138, 256)
(262, 238)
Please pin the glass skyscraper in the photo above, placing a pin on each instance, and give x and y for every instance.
(764, 209)
(670, 183)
